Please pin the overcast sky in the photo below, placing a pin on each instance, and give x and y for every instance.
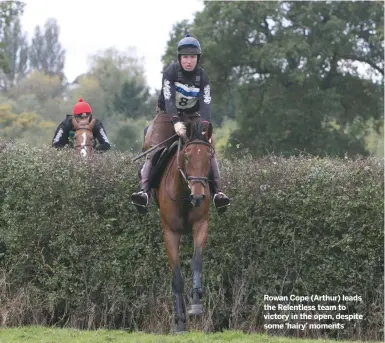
(88, 26)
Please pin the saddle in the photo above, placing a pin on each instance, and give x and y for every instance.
(159, 162)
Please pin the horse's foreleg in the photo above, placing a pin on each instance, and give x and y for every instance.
(172, 241)
(200, 231)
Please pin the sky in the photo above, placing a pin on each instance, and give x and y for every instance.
(87, 27)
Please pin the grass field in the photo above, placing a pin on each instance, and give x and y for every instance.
(33, 334)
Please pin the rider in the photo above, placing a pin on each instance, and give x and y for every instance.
(185, 94)
(65, 132)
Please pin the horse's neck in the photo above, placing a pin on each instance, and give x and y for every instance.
(179, 185)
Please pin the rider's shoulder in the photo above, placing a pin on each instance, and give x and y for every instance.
(171, 69)
(98, 123)
(68, 119)
(201, 70)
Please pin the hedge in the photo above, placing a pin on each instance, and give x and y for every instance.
(74, 252)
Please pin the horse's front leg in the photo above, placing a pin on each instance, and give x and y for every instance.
(172, 242)
(200, 232)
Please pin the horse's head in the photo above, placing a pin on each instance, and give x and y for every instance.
(83, 139)
(197, 154)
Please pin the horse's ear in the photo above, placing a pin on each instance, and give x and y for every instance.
(75, 124)
(91, 124)
(189, 130)
(209, 132)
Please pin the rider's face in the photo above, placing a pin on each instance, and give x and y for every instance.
(189, 62)
(82, 116)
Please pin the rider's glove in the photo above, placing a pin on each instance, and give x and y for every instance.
(180, 129)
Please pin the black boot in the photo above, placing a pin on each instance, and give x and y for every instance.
(141, 199)
(221, 201)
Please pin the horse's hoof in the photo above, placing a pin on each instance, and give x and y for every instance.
(195, 310)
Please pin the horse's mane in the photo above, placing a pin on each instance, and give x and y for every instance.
(85, 123)
(82, 124)
(197, 130)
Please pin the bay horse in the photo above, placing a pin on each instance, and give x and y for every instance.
(183, 198)
(83, 139)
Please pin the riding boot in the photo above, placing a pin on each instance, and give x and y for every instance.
(221, 201)
(141, 199)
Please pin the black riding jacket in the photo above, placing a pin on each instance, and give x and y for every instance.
(65, 132)
(187, 92)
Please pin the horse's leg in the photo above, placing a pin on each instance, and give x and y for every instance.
(200, 232)
(172, 241)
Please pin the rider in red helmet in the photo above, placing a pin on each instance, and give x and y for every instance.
(185, 95)
(65, 132)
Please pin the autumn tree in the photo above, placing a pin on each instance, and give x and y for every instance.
(46, 52)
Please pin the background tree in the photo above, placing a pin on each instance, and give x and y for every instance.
(46, 52)
(112, 68)
(291, 73)
(115, 86)
(179, 30)
(16, 51)
(8, 11)
(132, 100)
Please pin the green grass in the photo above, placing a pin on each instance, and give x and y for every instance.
(38, 334)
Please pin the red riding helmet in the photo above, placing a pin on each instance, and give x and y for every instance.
(81, 107)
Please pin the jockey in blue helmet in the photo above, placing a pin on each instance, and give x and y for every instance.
(185, 95)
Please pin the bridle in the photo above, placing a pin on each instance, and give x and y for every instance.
(186, 179)
(203, 180)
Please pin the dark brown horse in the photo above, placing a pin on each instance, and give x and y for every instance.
(183, 198)
(83, 139)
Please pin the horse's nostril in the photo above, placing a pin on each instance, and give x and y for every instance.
(197, 196)
(197, 200)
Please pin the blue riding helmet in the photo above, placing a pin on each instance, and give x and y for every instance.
(189, 46)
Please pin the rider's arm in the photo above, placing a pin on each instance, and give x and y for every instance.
(101, 135)
(205, 98)
(60, 138)
(168, 84)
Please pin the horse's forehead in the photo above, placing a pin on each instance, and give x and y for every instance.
(84, 132)
(83, 122)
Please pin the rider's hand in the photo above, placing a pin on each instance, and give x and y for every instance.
(180, 129)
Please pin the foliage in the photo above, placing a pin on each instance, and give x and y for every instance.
(16, 49)
(46, 53)
(287, 70)
(375, 138)
(131, 100)
(47, 335)
(89, 88)
(299, 225)
(222, 136)
(126, 134)
(42, 85)
(179, 30)
(112, 69)
(8, 11)
(19, 127)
